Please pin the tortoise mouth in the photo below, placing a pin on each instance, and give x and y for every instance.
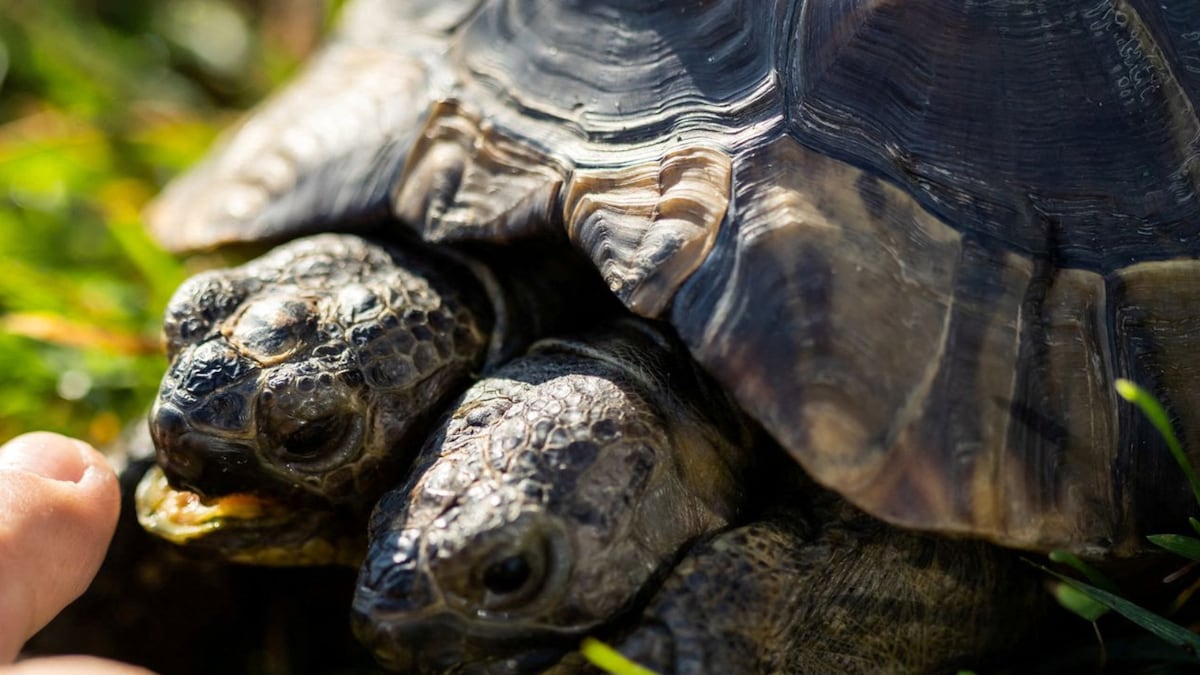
(442, 641)
(245, 528)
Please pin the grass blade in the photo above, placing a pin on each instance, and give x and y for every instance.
(610, 660)
(1188, 547)
(1093, 575)
(1078, 603)
(1166, 630)
(1154, 411)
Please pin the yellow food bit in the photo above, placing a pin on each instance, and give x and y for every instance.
(179, 516)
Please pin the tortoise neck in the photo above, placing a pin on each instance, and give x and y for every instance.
(536, 289)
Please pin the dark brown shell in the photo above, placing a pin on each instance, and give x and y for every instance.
(918, 240)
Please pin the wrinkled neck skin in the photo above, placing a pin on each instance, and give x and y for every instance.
(837, 591)
(541, 287)
(549, 503)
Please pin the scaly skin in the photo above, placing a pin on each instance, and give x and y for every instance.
(299, 382)
(835, 591)
(559, 488)
(302, 383)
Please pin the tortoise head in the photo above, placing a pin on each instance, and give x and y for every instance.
(304, 375)
(555, 495)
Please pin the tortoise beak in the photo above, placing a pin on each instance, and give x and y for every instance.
(405, 647)
(197, 462)
(400, 617)
(391, 606)
(440, 642)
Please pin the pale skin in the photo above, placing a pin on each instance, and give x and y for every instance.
(58, 510)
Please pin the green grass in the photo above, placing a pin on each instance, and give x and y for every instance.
(100, 104)
(1098, 595)
(610, 660)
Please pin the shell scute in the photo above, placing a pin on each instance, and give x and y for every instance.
(1067, 133)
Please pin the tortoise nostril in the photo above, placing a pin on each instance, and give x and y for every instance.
(392, 580)
(165, 423)
(168, 429)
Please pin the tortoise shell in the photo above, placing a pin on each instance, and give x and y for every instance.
(918, 241)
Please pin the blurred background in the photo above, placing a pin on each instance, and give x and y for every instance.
(101, 103)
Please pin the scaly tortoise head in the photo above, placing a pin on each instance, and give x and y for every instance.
(299, 388)
(557, 492)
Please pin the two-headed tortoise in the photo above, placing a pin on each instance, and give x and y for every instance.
(917, 241)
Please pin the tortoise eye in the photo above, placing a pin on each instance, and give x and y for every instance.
(513, 578)
(316, 439)
(508, 575)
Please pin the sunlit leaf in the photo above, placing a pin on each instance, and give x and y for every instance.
(1162, 628)
(1079, 603)
(1188, 547)
(62, 331)
(1093, 575)
(610, 660)
(1154, 411)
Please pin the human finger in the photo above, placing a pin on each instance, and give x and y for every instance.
(72, 665)
(58, 508)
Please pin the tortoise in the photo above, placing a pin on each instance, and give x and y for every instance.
(548, 504)
(565, 485)
(917, 243)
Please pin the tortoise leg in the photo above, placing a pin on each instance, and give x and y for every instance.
(787, 594)
(326, 151)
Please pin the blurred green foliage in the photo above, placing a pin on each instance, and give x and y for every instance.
(101, 102)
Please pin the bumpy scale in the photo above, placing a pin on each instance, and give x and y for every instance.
(835, 591)
(302, 383)
(556, 490)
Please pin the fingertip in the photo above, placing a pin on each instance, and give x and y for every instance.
(88, 481)
(100, 485)
(59, 502)
(46, 454)
(72, 665)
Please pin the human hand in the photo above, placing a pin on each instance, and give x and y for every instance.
(58, 509)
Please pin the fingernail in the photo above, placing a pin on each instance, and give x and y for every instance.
(45, 454)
